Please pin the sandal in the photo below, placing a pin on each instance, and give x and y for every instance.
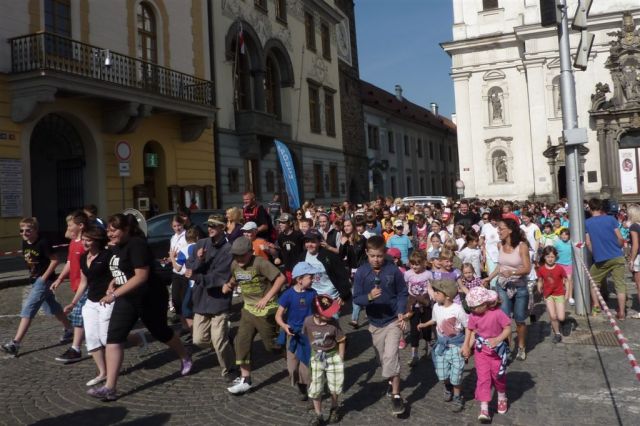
(595, 310)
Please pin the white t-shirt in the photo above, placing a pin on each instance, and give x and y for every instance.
(533, 234)
(491, 240)
(178, 242)
(321, 282)
(451, 320)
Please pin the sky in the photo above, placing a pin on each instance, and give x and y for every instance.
(398, 43)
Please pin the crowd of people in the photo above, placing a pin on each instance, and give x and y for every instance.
(454, 275)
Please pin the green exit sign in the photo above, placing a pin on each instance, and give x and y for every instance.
(151, 160)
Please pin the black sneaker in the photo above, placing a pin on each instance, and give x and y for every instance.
(565, 328)
(69, 356)
(67, 336)
(397, 405)
(334, 415)
(457, 403)
(448, 392)
(11, 348)
(557, 338)
(317, 420)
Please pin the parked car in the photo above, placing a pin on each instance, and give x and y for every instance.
(159, 234)
(427, 199)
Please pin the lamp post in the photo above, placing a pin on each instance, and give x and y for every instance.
(460, 188)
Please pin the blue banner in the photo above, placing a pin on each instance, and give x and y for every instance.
(289, 174)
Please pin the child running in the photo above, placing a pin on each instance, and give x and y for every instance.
(565, 260)
(450, 320)
(487, 331)
(328, 344)
(551, 284)
(296, 302)
(419, 302)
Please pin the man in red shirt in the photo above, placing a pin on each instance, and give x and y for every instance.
(76, 222)
(254, 212)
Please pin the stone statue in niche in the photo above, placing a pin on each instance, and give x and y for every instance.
(496, 107)
(630, 82)
(501, 168)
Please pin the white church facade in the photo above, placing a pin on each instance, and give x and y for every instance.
(506, 75)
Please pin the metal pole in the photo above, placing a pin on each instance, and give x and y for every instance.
(572, 156)
(122, 178)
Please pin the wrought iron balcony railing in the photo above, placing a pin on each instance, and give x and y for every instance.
(47, 51)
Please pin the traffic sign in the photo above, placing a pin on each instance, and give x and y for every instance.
(124, 169)
(123, 150)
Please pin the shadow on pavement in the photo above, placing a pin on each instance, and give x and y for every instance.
(100, 416)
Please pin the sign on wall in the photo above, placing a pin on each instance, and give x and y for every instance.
(10, 187)
(628, 170)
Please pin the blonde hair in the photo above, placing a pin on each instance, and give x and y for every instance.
(234, 214)
(634, 213)
(31, 221)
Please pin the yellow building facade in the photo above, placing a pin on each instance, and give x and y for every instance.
(79, 78)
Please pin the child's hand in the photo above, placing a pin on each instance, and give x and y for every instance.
(465, 351)
(67, 309)
(227, 288)
(287, 330)
(188, 273)
(494, 341)
(375, 293)
(421, 325)
(200, 253)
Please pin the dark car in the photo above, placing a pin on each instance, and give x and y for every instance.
(159, 235)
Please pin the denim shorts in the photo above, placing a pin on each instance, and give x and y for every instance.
(40, 295)
(517, 305)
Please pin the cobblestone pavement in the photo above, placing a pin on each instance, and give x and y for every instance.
(567, 383)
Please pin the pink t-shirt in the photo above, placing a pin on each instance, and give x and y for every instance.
(490, 324)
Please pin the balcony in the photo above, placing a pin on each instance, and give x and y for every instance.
(46, 65)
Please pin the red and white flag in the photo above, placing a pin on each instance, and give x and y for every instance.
(241, 39)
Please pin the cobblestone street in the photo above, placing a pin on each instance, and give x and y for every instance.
(568, 383)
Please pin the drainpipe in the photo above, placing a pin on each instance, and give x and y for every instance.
(212, 71)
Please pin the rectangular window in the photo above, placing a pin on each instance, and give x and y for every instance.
(450, 155)
(329, 114)
(234, 180)
(333, 180)
(430, 150)
(441, 149)
(419, 148)
(392, 147)
(251, 177)
(373, 134)
(326, 41)
(409, 187)
(281, 10)
(57, 17)
(423, 190)
(489, 4)
(310, 31)
(407, 145)
(314, 108)
(394, 189)
(318, 180)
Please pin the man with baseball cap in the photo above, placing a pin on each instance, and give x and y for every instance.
(289, 245)
(260, 282)
(260, 246)
(210, 269)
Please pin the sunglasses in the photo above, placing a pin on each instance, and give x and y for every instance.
(26, 231)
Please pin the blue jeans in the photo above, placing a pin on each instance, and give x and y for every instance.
(40, 295)
(516, 305)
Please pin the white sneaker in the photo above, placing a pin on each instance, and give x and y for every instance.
(96, 381)
(572, 301)
(239, 386)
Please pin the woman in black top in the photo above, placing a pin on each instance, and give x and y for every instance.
(95, 278)
(135, 294)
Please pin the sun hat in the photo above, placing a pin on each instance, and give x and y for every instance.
(249, 226)
(398, 223)
(285, 217)
(448, 287)
(303, 268)
(325, 305)
(241, 246)
(215, 220)
(394, 252)
(479, 295)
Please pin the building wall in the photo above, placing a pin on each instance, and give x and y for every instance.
(507, 48)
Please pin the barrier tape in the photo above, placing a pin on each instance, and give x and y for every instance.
(624, 343)
(16, 252)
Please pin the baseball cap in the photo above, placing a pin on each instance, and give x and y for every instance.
(303, 268)
(313, 234)
(249, 226)
(241, 246)
(448, 287)
(394, 252)
(285, 217)
(325, 305)
(397, 223)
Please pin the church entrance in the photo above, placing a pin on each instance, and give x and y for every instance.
(57, 174)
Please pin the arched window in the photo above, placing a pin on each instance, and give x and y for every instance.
(499, 163)
(555, 93)
(147, 34)
(496, 105)
(243, 83)
(272, 87)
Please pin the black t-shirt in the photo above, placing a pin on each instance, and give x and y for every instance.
(135, 253)
(635, 227)
(38, 257)
(98, 274)
(466, 220)
(290, 248)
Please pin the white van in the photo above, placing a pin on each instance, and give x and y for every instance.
(427, 199)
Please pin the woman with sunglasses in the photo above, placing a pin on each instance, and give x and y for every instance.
(135, 294)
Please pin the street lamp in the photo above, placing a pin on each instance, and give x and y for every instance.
(460, 188)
